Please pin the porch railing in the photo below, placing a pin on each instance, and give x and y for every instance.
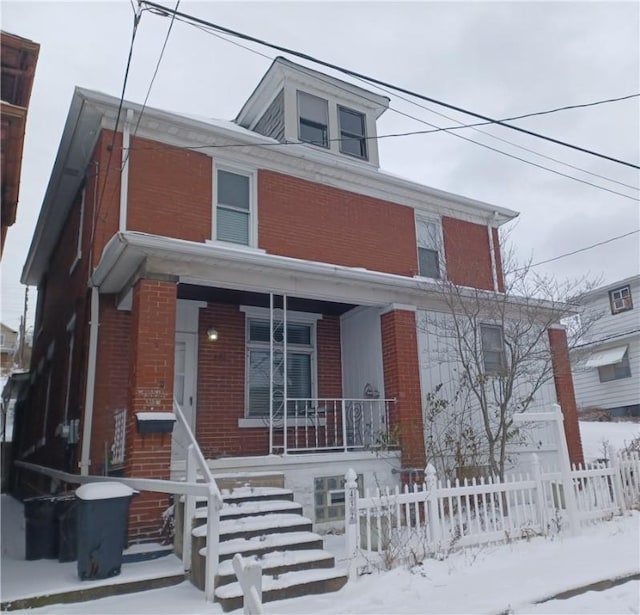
(327, 424)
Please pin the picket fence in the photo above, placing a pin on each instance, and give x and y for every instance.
(403, 525)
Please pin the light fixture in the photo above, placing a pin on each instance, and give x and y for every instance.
(212, 334)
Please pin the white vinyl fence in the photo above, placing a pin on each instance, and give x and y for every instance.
(392, 526)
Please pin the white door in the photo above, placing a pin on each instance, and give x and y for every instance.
(184, 391)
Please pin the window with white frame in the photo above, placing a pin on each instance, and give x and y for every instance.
(353, 133)
(301, 361)
(615, 371)
(493, 355)
(233, 206)
(429, 252)
(620, 300)
(313, 119)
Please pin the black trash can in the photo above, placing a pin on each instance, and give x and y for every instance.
(41, 528)
(102, 514)
(67, 528)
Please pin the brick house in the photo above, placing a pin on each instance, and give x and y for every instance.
(202, 260)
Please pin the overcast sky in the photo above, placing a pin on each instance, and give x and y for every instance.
(496, 58)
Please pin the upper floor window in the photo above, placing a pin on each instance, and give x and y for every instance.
(615, 371)
(620, 300)
(493, 349)
(428, 240)
(353, 133)
(233, 207)
(313, 118)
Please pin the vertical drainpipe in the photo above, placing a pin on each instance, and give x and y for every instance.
(492, 251)
(85, 458)
(124, 175)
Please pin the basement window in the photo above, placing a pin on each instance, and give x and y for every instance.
(329, 497)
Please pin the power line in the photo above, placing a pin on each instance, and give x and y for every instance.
(595, 245)
(379, 82)
(609, 337)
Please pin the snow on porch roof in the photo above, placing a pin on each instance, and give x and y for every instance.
(606, 357)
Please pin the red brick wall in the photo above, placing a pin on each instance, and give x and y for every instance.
(565, 392)
(402, 382)
(307, 220)
(172, 184)
(467, 253)
(221, 381)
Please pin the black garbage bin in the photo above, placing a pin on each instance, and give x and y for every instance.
(41, 528)
(101, 514)
(67, 528)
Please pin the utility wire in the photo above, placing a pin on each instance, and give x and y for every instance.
(609, 337)
(434, 129)
(379, 82)
(595, 245)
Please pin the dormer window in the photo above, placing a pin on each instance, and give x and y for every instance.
(353, 133)
(313, 115)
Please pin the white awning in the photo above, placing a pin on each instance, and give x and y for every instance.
(606, 357)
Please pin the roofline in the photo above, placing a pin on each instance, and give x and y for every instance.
(611, 286)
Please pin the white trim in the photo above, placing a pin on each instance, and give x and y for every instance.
(124, 175)
(251, 172)
(71, 331)
(400, 307)
(492, 253)
(78, 257)
(261, 313)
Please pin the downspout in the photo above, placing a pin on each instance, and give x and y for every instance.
(124, 175)
(85, 458)
(492, 251)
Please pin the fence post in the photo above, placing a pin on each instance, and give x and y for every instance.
(189, 509)
(213, 543)
(250, 579)
(351, 520)
(616, 477)
(565, 470)
(541, 503)
(433, 517)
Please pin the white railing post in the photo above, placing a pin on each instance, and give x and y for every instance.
(616, 478)
(433, 518)
(213, 543)
(344, 424)
(189, 509)
(250, 580)
(541, 503)
(565, 470)
(351, 521)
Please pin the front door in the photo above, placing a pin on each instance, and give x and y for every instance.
(184, 391)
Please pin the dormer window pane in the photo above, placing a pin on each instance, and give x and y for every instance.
(352, 133)
(314, 119)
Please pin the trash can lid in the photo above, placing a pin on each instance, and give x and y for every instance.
(103, 491)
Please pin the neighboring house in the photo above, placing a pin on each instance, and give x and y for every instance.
(18, 57)
(204, 260)
(606, 365)
(8, 347)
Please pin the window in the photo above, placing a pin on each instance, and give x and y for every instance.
(492, 349)
(620, 300)
(233, 210)
(313, 114)
(352, 133)
(329, 497)
(615, 371)
(428, 239)
(300, 364)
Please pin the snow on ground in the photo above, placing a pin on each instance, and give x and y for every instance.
(595, 434)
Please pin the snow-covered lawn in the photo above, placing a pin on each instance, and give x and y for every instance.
(597, 436)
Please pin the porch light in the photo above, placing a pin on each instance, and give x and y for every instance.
(212, 334)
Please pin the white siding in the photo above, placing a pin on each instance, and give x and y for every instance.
(609, 331)
(439, 365)
(361, 338)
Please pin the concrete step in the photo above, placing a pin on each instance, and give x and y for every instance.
(279, 562)
(249, 527)
(256, 494)
(235, 510)
(234, 480)
(283, 586)
(260, 545)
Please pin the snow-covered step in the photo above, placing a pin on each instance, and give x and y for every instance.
(235, 510)
(249, 494)
(279, 562)
(259, 545)
(287, 585)
(248, 527)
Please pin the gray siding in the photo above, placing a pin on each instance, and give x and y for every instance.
(271, 124)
